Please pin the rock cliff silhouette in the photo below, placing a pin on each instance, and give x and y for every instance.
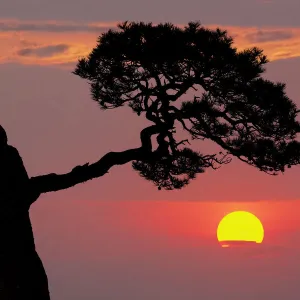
(22, 275)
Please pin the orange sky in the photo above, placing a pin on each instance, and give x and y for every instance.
(277, 42)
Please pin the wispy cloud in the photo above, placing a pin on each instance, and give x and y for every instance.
(53, 26)
(46, 51)
(262, 36)
(62, 43)
(277, 43)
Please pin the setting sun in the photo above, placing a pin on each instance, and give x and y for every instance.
(240, 226)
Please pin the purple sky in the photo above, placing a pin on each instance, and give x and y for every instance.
(230, 12)
(118, 237)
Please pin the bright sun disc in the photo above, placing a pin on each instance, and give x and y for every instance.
(240, 226)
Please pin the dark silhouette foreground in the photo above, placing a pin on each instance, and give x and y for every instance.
(149, 68)
(22, 275)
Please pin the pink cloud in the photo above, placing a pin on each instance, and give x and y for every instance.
(39, 42)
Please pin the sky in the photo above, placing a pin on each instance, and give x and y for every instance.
(118, 236)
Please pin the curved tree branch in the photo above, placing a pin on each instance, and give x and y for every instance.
(55, 182)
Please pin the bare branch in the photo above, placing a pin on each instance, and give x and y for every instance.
(54, 182)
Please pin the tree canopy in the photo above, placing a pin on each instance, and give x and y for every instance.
(150, 67)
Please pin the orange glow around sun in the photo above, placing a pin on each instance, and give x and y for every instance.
(240, 226)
